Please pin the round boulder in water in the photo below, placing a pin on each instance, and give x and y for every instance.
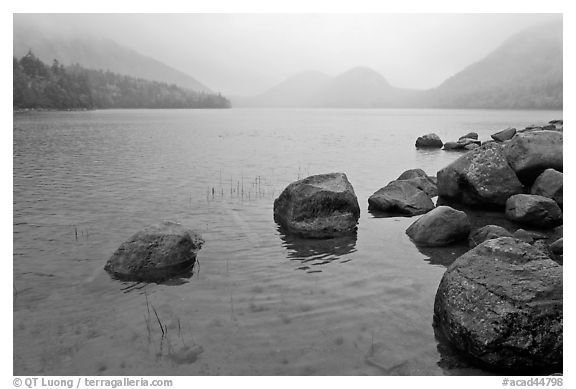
(501, 303)
(429, 141)
(401, 196)
(158, 252)
(440, 227)
(320, 206)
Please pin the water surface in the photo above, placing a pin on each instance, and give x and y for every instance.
(258, 302)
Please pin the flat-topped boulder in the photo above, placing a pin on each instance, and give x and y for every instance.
(501, 303)
(157, 252)
(533, 210)
(531, 153)
(402, 197)
(481, 177)
(430, 141)
(320, 206)
(550, 184)
(440, 227)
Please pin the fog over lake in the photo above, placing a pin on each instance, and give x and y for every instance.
(245, 54)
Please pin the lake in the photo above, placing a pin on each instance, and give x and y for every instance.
(258, 302)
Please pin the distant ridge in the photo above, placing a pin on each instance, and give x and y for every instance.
(525, 72)
(357, 87)
(98, 54)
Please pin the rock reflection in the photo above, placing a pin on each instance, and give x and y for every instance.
(443, 255)
(171, 278)
(456, 362)
(313, 253)
(377, 214)
(452, 360)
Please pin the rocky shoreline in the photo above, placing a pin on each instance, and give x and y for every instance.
(501, 302)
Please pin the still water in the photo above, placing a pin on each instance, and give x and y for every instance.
(258, 302)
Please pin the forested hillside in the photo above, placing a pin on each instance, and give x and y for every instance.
(37, 85)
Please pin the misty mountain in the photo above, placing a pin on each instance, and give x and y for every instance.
(359, 87)
(95, 53)
(524, 72)
(299, 90)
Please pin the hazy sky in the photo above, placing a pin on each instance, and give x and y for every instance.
(244, 54)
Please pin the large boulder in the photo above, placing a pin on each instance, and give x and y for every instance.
(530, 153)
(504, 135)
(533, 210)
(321, 206)
(429, 141)
(421, 180)
(480, 177)
(401, 196)
(157, 252)
(550, 184)
(485, 233)
(501, 303)
(440, 227)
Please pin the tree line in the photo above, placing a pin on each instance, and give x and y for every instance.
(40, 86)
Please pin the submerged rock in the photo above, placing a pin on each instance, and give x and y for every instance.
(439, 227)
(533, 210)
(321, 206)
(479, 177)
(429, 141)
(504, 135)
(155, 253)
(401, 196)
(530, 153)
(501, 303)
(485, 233)
(550, 184)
